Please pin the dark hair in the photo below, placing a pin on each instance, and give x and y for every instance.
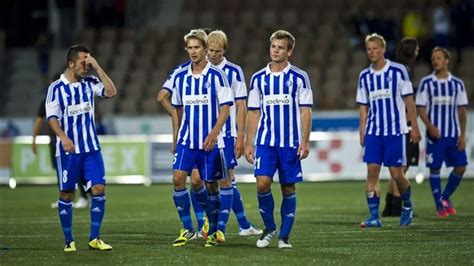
(74, 50)
(405, 53)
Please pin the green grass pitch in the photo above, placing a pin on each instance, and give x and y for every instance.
(141, 224)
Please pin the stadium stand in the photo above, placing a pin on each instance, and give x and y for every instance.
(329, 45)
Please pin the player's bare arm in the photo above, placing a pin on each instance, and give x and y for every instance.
(252, 123)
(306, 121)
(415, 135)
(433, 131)
(176, 117)
(36, 131)
(461, 143)
(67, 143)
(163, 98)
(363, 111)
(241, 116)
(211, 138)
(110, 90)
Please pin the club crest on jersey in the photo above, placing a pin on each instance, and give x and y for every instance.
(207, 85)
(289, 83)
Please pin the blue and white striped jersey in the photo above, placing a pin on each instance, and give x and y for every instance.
(383, 92)
(200, 96)
(235, 76)
(72, 104)
(168, 85)
(279, 97)
(442, 97)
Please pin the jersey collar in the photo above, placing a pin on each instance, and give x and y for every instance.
(285, 70)
(435, 78)
(204, 71)
(385, 68)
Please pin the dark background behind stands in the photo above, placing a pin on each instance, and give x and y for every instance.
(139, 42)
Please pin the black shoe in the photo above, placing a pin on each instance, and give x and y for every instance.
(387, 211)
(396, 206)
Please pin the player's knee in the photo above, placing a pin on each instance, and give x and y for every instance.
(66, 195)
(288, 189)
(225, 183)
(196, 182)
(179, 180)
(263, 187)
(98, 189)
(459, 170)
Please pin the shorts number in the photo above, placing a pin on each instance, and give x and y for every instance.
(174, 158)
(64, 176)
(257, 163)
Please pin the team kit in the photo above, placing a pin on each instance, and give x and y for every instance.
(217, 119)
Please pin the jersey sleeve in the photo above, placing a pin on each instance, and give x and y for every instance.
(305, 92)
(225, 94)
(52, 105)
(168, 85)
(461, 97)
(254, 101)
(238, 86)
(362, 92)
(97, 86)
(176, 100)
(422, 95)
(406, 88)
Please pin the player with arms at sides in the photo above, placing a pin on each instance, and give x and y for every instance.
(441, 103)
(202, 98)
(197, 184)
(234, 130)
(406, 54)
(279, 124)
(385, 98)
(70, 114)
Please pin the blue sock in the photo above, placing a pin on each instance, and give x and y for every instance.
(373, 202)
(288, 212)
(226, 194)
(183, 206)
(97, 215)
(435, 184)
(238, 208)
(266, 206)
(65, 216)
(198, 209)
(213, 211)
(406, 198)
(453, 183)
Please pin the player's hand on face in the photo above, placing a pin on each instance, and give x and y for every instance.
(249, 153)
(239, 148)
(91, 61)
(210, 141)
(68, 145)
(303, 150)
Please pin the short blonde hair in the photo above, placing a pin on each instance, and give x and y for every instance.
(283, 34)
(219, 37)
(197, 34)
(445, 51)
(374, 37)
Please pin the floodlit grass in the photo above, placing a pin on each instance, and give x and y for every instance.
(141, 224)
